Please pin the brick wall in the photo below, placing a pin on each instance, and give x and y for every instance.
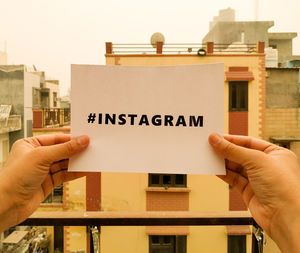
(238, 123)
(167, 201)
(236, 202)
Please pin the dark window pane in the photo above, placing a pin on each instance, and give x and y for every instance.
(155, 178)
(179, 179)
(166, 179)
(243, 96)
(236, 244)
(238, 96)
(181, 244)
(155, 239)
(167, 239)
(163, 180)
(234, 97)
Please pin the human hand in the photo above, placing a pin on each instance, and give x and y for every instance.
(34, 167)
(268, 177)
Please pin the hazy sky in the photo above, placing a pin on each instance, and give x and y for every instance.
(52, 34)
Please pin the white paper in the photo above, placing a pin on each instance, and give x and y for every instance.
(192, 90)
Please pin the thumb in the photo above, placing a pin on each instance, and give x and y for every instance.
(231, 151)
(62, 151)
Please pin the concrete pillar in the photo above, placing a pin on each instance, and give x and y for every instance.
(209, 47)
(260, 47)
(159, 47)
(108, 47)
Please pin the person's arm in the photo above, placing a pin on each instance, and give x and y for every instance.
(268, 177)
(34, 167)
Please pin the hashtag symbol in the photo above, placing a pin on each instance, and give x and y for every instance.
(91, 117)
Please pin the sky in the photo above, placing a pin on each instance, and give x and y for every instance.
(53, 34)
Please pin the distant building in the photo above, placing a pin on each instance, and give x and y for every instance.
(3, 58)
(282, 108)
(278, 45)
(30, 106)
(224, 15)
(17, 89)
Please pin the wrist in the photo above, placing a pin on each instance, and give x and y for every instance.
(8, 216)
(285, 229)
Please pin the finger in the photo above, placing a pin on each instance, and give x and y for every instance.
(236, 167)
(48, 185)
(65, 150)
(60, 165)
(235, 180)
(52, 139)
(233, 152)
(65, 176)
(248, 142)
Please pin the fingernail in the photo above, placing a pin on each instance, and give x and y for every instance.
(83, 140)
(215, 139)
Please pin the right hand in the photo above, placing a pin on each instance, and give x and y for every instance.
(268, 177)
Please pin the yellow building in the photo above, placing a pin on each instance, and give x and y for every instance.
(244, 75)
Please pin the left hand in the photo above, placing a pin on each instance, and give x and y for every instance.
(34, 167)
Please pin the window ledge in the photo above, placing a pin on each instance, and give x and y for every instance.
(51, 204)
(169, 189)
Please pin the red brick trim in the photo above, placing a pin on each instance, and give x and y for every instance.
(239, 74)
(65, 196)
(238, 230)
(66, 239)
(238, 69)
(262, 96)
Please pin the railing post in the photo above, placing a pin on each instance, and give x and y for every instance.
(159, 47)
(210, 47)
(260, 47)
(257, 239)
(108, 46)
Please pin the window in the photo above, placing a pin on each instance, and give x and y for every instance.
(56, 196)
(236, 244)
(54, 99)
(58, 239)
(284, 144)
(167, 180)
(36, 97)
(238, 96)
(167, 244)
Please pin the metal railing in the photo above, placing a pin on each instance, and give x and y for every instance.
(181, 48)
(51, 117)
(92, 219)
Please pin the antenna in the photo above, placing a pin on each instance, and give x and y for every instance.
(256, 10)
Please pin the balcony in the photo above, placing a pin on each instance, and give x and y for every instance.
(10, 124)
(98, 219)
(160, 48)
(51, 118)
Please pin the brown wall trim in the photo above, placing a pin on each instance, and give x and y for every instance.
(162, 189)
(167, 230)
(238, 230)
